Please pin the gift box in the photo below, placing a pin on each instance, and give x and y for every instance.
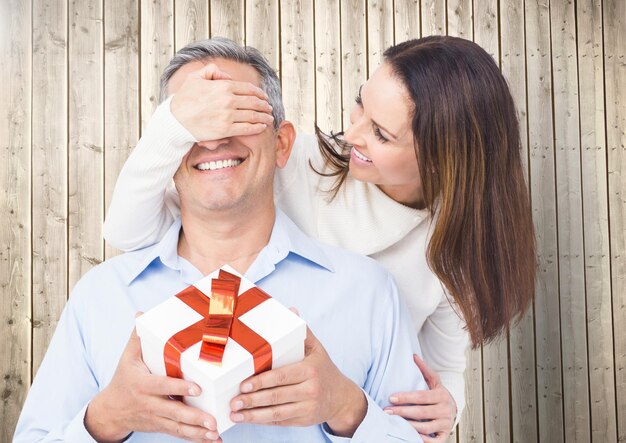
(217, 333)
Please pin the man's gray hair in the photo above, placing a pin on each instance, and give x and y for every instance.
(220, 47)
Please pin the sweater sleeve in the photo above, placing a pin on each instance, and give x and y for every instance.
(144, 202)
(444, 340)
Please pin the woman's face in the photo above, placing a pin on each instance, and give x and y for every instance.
(380, 132)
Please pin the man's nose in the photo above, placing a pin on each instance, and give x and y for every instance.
(212, 145)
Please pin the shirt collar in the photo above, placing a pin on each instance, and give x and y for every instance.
(286, 238)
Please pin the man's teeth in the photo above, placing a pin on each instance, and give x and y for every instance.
(360, 156)
(220, 164)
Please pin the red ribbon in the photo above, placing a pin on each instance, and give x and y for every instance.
(221, 312)
(251, 341)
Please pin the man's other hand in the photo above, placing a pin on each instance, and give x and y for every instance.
(307, 393)
(211, 106)
(136, 400)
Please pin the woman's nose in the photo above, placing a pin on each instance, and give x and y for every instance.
(347, 134)
(353, 133)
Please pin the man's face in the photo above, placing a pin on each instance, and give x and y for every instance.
(230, 173)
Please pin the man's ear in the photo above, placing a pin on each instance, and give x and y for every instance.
(286, 135)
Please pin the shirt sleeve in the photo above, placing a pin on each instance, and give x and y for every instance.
(444, 341)
(393, 370)
(55, 407)
(144, 202)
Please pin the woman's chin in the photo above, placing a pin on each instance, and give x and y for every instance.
(356, 171)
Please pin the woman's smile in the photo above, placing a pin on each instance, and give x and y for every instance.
(359, 156)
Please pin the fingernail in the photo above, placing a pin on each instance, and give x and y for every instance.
(237, 417)
(211, 435)
(246, 387)
(238, 405)
(210, 426)
(393, 399)
(194, 390)
(388, 411)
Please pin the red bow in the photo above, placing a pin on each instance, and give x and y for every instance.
(218, 324)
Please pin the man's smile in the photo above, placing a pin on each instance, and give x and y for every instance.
(219, 164)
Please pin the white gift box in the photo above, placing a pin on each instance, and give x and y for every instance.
(281, 328)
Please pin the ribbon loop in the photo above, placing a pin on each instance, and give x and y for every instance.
(220, 320)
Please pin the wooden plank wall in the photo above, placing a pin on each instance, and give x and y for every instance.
(80, 81)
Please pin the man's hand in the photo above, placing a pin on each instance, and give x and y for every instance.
(212, 106)
(310, 392)
(136, 400)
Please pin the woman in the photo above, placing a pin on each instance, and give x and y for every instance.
(427, 180)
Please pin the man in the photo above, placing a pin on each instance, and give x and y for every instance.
(93, 384)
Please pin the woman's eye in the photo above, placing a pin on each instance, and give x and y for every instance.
(379, 135)
(357, 99)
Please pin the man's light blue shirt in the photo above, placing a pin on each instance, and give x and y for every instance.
(349, 302)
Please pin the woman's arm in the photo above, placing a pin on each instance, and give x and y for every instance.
(139, 214)
(444, 342)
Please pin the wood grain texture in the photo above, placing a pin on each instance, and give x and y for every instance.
(614, 30)
(471, 426)
(298, 63)
(596, 221)
(328, 66)
(49, 171)
(121, 86)
(543, 195)
(192, 21)
(15, 203)
(379, 32)
(407, 20)
(353, 53)
(570, 223)
(86, 137)
(460, 19)
(262, 30)
(496, 391)
(157, 48)
(227, 19)
(434, 18)
(522, 366)
(486, 27)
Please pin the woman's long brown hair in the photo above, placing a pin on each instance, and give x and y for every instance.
(468, 150)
